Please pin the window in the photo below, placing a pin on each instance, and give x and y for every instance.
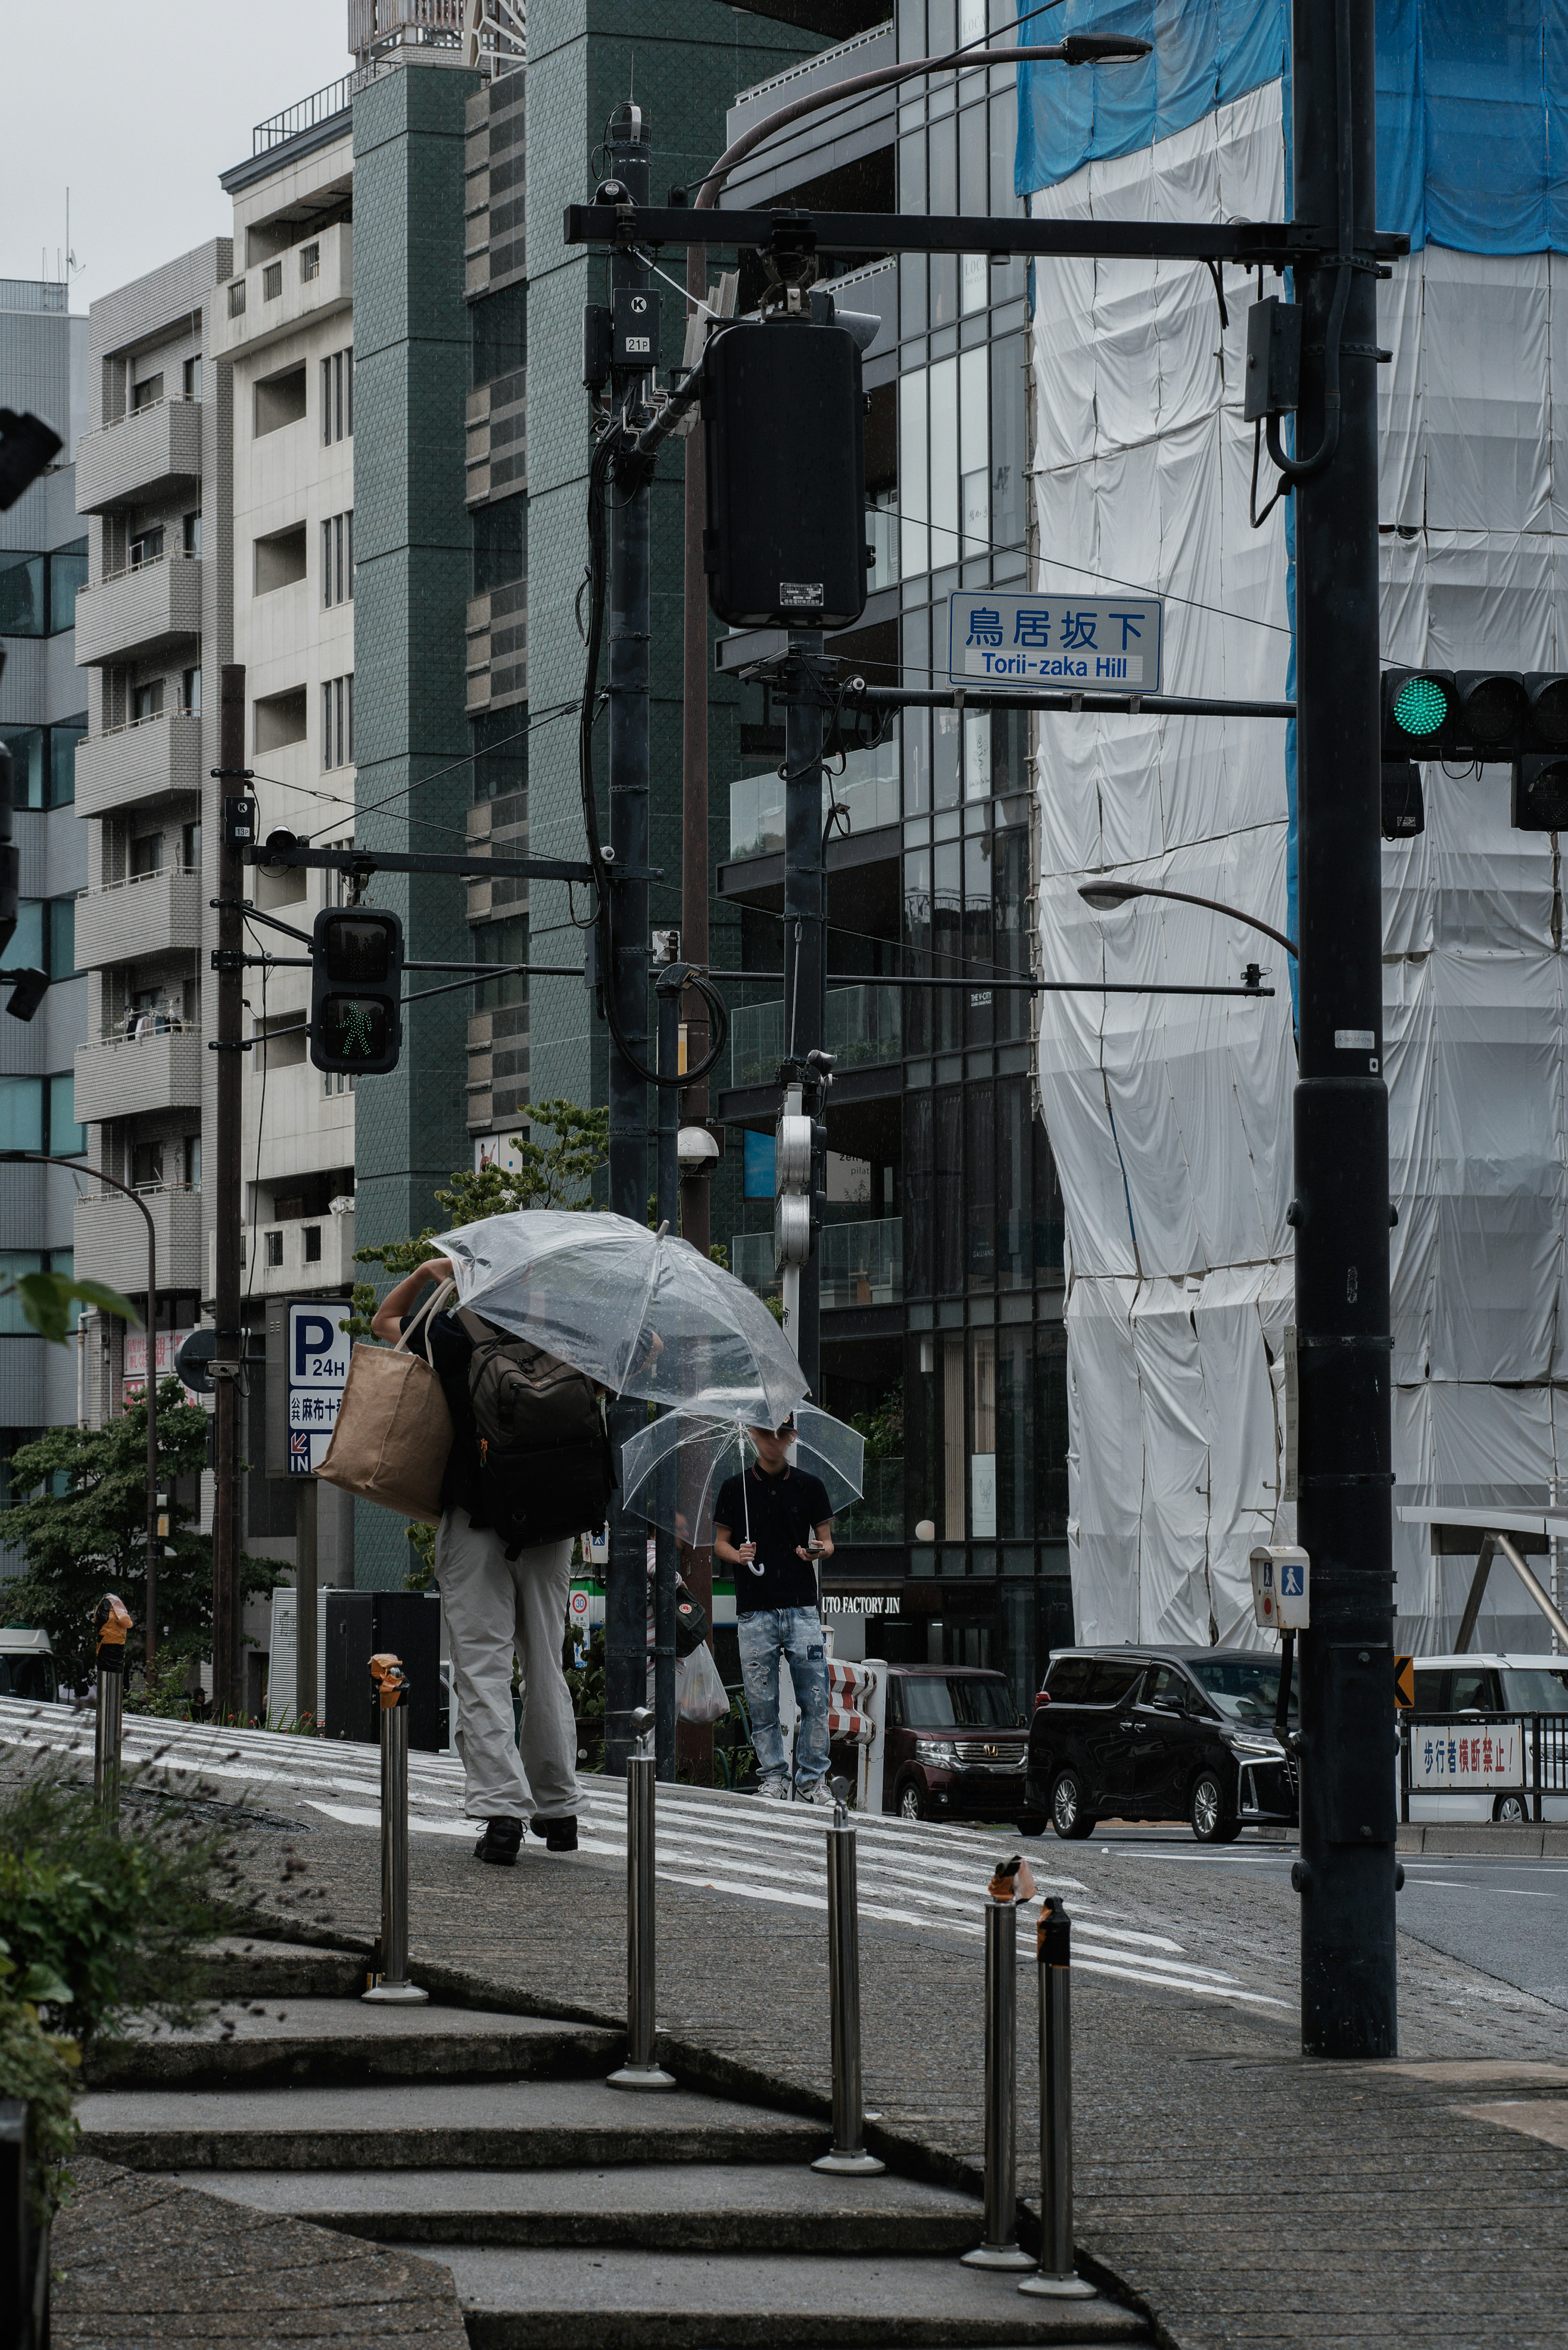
(280, 559)
(193, 378)
(193, 1160)
(191, 533)
(62, 938)
(500, 333)
(191, 847)
(1068, 1680)
(309, 263)
(338, 721)
(338, 397)
(312, 1237)
(273, 1249)
(502, 942)
(67, 1139)
(1111, 1683)
(21, 1113)
(14, 1264)
(63, 740)
(500, 739)
(280, 400)
(280, 720)
(147, 701)
(500, 543)
(147, 547)
(147, 855)
(23, 595)
(933, 1703)
(68, 576)
(236, 298)
(28, 748)
(338, 559)
(148, 392)
(26, 951)
(1170, 1688)
(272, 281)
(191, 692)
(147, 1165)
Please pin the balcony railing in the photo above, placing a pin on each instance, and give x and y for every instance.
(864, 1028)
(146, 914)
(143, 609)
(139, 458)
(868, 792)
(147, 760)
(121, 1075)
(859, 1264)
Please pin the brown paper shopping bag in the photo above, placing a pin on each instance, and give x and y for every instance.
(394, 1431)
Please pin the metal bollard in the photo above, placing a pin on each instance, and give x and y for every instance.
(847, 2153)
(1000, 2249)
(113, 1622)
(1057, 2276)
(391, 1987)
(639, 2071)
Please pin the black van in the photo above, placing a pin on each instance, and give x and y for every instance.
(1162, 1734)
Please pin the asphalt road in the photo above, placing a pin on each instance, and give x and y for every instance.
(1508, 1918)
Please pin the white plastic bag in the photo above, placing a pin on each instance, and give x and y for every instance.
(703, 1697)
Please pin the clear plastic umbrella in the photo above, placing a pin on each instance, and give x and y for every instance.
(640, 1312)
(671, 1471)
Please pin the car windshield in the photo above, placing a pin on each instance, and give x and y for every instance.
(1538, 1692)
(1246, 1689)
(959, 1702)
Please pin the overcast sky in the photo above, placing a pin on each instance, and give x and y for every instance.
(136, 106)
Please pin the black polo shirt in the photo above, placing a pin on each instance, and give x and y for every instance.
(778, 1514)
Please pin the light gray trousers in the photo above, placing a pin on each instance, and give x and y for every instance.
(496, 1608)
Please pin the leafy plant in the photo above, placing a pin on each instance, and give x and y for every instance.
(40, 2069)
(551, 1175)
(46, 1301)
(883, 1429)
(421, 1576)
(83, 1531)
(98, 1925)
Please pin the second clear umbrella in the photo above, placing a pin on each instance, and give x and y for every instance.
(671, 1471)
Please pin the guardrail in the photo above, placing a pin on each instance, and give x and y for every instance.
(1483, 1754)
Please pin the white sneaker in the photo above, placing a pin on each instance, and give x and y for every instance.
(775, 1790)
(819, 1792)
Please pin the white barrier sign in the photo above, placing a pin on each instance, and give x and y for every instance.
(1105, 644)
(1443, 1755)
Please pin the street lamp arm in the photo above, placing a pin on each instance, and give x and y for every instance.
(1123, 892)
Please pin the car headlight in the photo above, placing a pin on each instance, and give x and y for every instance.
(942, 1752)
(1256, 1750)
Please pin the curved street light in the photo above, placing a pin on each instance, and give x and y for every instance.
(43, 1159)
(1105, 896)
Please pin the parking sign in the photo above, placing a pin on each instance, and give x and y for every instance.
(306, 1368)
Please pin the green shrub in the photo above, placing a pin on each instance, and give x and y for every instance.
(101, 1926)
(39, 2067)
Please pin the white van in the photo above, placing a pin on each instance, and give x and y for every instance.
(27, 1665)
(1488, 1775)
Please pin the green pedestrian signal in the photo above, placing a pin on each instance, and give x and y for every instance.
(356, 987)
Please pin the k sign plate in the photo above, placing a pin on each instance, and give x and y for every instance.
(317, 1366)
(1074, 644)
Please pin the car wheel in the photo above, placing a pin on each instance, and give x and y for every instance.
(1070, 1814)
(1513, 1811)
(1032, 1823)
(1212, 1819)
(911, 1804)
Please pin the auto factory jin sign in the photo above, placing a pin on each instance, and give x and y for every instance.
(1074, 644)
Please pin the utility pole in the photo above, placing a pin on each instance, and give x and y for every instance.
(806, 946)
(1345, 1874)
(236, 809)
(626, 1580)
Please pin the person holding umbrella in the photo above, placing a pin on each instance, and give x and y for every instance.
(782, 1519)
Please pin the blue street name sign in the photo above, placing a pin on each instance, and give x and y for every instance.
(1105, 644)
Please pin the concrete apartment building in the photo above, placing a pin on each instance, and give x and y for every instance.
(43, 369)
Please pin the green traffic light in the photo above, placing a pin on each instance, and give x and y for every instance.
(1420, 706)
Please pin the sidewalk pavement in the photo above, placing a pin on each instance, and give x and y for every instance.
(1235, 2191)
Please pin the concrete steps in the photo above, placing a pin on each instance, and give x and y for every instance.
(706, 2206)
(682, 2301)
(322, 2042)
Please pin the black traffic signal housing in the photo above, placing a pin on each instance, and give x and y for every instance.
(785, 444)
(1403, 808)
(1540, 801)
(356, 991)
(10, 865)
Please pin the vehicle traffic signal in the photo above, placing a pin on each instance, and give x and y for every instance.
(1418, 710)
(1540, 802)
(356, 991)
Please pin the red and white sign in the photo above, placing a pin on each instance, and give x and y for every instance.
(169, 1343)
(1489, 1755)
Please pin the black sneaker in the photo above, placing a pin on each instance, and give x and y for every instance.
(560, 1835)
(500, 1842)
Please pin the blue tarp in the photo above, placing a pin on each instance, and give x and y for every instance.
(1473, 104)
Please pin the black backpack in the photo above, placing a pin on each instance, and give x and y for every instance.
(545, 1468)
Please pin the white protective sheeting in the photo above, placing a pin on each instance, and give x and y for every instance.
(1171, 1116)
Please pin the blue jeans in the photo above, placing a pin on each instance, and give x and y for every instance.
(795, 1633)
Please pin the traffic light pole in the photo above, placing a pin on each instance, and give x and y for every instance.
(1345, 1874)
(805, 942)
(626, 1580)
(227, 1203)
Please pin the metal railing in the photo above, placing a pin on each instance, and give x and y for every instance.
(148, 562)
(319, 107)
(865, 1029)
(1495, 1754)
(165, 400)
